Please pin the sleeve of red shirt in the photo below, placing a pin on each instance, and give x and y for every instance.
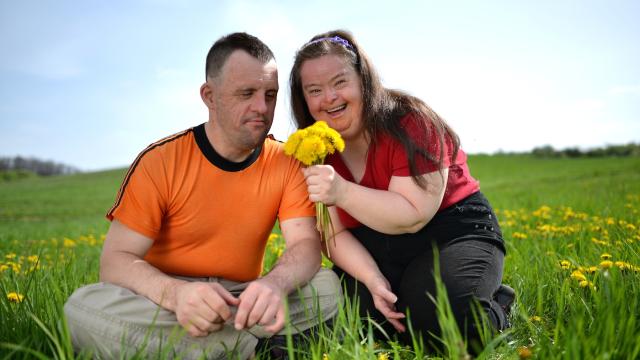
(399, 158)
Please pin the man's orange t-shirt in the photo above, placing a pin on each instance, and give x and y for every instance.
(209, 216)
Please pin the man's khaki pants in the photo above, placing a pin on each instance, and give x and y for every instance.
(114, 322)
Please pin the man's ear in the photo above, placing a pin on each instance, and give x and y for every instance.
(206, 93)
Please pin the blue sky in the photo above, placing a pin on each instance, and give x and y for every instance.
(91, 83)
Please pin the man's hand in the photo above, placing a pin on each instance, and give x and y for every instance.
(202, 308)
(261, 303)
(384, 300)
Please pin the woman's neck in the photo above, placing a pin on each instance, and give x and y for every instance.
(357, 147)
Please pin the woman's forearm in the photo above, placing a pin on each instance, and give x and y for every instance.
(349, 254)
(385, 211)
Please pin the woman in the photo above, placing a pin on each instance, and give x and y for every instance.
(401, 187)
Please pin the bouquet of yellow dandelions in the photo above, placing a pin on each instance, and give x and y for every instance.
(310, 146)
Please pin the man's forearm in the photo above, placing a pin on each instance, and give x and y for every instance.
(130, 271)
(297, 265)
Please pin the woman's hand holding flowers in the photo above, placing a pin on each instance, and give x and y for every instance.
(325, 185)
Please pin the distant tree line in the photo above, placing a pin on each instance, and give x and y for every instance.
(21, 166)
(548, 151)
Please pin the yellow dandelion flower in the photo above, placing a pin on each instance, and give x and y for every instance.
(524, 352)
(383, 356)
(606, 264)
(4, 267)
(273, 237)
(325, 356)
(605, 256)
(584, 283)
(519, 235)
(577, 275)
(599, 242)
(565, 264)
(294, 141)
(591, 269)
(623, 265)
(535, 318)
(14, 266)
(33, 258)
(312, 150)
(10, 256)
(68, 243)
(15, 297)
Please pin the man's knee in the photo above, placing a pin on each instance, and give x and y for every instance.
(328, 290)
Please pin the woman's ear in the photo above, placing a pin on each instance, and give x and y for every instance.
(206, 93)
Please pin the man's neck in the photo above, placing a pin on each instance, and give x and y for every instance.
(223, 147)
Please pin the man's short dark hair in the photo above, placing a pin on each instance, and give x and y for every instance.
(222, 49)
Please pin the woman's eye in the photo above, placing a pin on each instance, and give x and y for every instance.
(341, 81)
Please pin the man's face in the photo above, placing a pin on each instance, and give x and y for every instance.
(245, 95)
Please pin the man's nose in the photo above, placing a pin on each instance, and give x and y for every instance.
(259, 104)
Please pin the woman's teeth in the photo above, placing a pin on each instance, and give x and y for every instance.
(336, 109)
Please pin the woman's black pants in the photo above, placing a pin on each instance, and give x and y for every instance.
(471, 254)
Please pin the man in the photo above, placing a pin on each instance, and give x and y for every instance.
(189, 230)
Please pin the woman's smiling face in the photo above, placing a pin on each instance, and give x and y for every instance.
(333, 92)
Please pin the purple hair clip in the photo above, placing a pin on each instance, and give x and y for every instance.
(336, 39)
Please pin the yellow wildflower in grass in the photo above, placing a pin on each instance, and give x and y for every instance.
(524, 352)
(599, 242)
(584, 283)
(383, 356)
(535, 318)
(4, 267)
(605, 256)
(33, 258)
(565, 264)
(15, 267)
(68, 243)
(606, 264)
(543, 212)
(519, 235)
(325, 356)
(15, 297)
(10, 256)
(623, 265)
(310, 146)
(591, 269)
(578, 275)
(273, 237)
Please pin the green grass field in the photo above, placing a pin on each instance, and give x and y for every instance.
(572, 228)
